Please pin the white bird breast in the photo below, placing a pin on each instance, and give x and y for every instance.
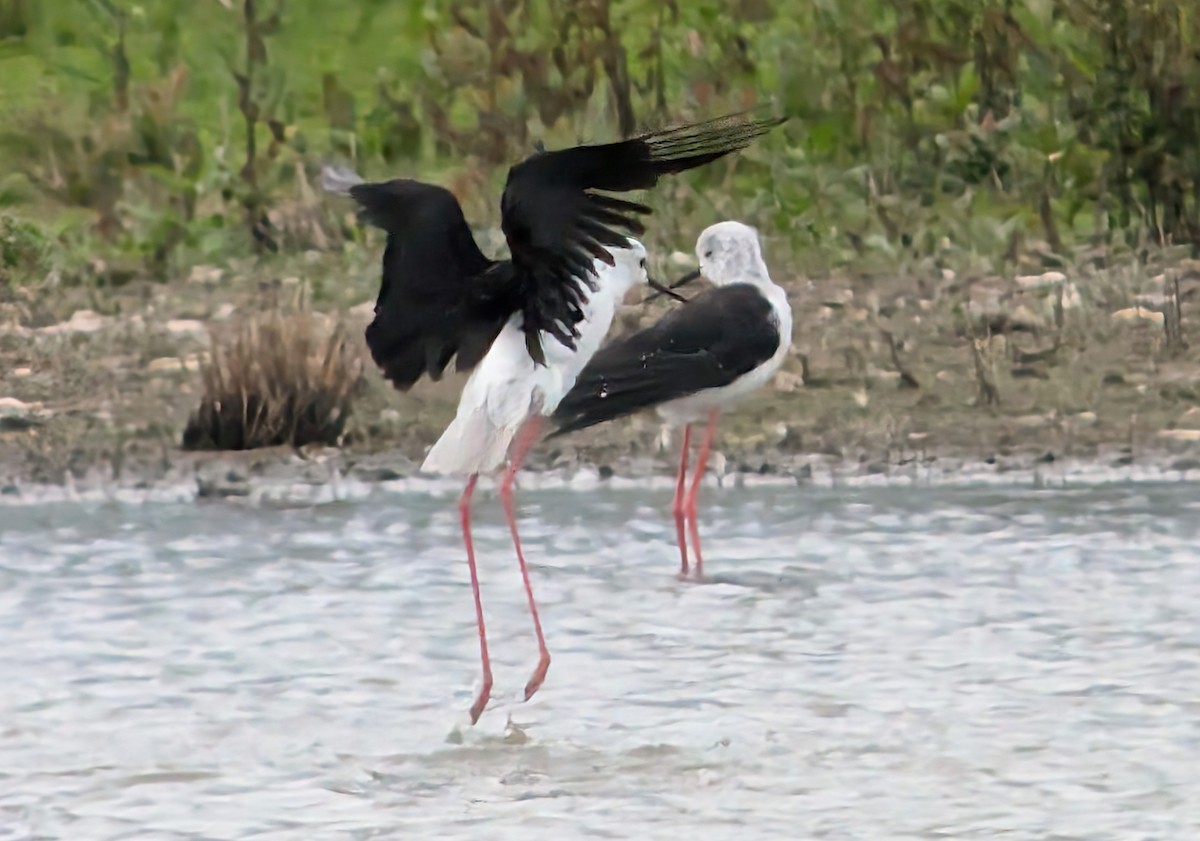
(509, 387)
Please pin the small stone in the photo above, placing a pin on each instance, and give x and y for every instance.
(13, 406)
(1136, 313)
(1040, 280)
(182, 326)
(17, 415)
(165, 363)
(205, 274)
(1032, 421)
(81, 321)
(1180, 434)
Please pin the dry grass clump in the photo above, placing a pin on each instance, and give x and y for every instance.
(274, 379)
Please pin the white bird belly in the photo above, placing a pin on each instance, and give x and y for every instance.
(695, 407)
(506, 389)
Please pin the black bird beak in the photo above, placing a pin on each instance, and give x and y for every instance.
(659, 289)
(694, 274)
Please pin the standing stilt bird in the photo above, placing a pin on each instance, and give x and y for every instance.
(701, 358)
(524, 326)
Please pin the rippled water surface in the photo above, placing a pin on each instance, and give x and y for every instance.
(863, 664)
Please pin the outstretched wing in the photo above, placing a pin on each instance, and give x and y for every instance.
(556, 223)
(706, 343)
(440, 296)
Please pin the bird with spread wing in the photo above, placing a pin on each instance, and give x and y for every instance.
(524, 326)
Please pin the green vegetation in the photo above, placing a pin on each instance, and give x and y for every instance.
(152, 135)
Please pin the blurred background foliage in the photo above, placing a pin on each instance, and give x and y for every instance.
(137, 139)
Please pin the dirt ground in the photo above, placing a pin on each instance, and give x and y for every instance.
(977, 371)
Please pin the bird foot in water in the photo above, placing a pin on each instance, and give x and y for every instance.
(539, 675)
(481, 700)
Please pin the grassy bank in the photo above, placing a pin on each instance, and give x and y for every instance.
(156, 135)
(160, 161)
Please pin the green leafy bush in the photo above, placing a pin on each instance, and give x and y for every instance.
(929, 130)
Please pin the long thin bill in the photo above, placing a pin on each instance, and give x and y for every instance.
(691, 276)
(660, 289)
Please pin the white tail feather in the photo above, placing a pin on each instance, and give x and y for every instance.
(470, 444)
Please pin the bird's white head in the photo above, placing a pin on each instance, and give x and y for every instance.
(628, 269)
(729, 252)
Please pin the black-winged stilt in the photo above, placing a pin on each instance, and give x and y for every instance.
(441, 297)
(698, 360)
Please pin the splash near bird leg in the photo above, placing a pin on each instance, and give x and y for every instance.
(464, 509)
(524, 440)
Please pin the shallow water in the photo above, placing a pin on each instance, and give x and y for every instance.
(865, 664)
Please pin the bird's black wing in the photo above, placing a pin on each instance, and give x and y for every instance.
(440, 295)
(708, 342)
(556, 223)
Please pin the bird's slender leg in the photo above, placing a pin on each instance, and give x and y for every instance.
(677, 504)
(464, 510)
(521, 444)
(690, 504)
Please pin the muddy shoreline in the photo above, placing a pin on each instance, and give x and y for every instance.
(933, 377)
(315, 475)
